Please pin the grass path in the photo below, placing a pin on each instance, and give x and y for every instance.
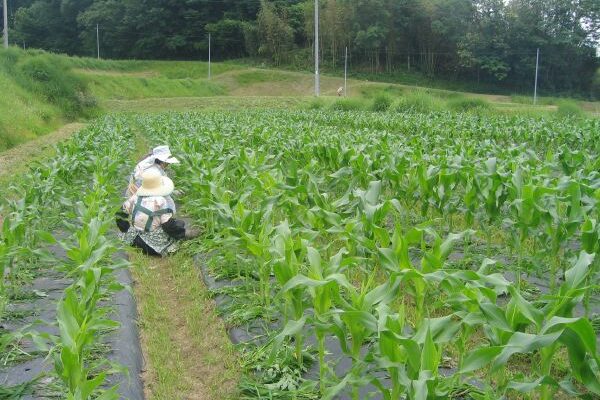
(186, 349)
(187, 353)
(17, 159)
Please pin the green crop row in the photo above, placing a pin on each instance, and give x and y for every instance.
(409, 240)
(74, 193)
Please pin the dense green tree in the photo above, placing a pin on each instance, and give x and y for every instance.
(228, 37)
(275, 34)
(50, 24)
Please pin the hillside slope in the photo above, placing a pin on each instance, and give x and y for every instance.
(39, 93)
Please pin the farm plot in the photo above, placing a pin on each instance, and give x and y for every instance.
(61, 271)
(398, 255)
(351, 255)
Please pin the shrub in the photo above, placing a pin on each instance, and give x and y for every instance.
(372, 91)
(316, 104)
(382, 102)
(348, 104)
(568, 108)
(420, 102)
(468, 104)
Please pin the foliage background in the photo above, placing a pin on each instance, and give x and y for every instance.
(479, 41)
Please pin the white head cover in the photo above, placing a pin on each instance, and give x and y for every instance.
(163, 153)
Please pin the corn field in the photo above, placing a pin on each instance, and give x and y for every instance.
(394, 256)
(445, 256)
(67, 202)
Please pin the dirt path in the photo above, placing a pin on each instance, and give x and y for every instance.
(16, 159)
(186, 350)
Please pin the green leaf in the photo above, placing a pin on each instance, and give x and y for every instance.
(372, 195)
(430, 356)
(527, 309)
(526, 387)
(479, 358)
(521, 342)
(495, 316)
(576, 275)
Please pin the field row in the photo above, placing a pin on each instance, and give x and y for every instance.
(411, 242)
(60, 269)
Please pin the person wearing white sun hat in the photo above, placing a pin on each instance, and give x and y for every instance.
(158, 160)
(147, 221)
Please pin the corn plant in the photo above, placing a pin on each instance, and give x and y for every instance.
(552, 327)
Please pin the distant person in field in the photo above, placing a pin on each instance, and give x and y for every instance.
(147, 221)
(340, 91)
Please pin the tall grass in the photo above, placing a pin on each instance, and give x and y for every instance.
(140, 87)
(381, 102)
(39, 92)
(462, 104)
(569, 108)
(419, 101)
(349, 104)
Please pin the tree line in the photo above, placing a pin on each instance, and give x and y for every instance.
(488, 41)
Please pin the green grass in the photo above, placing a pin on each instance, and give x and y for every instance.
(136, 87)
(468, 104)
(569, 108)
(152, 105)
(542, 101)
(260, 76)
(23, 116)
(381, 102)
(43, 94)
(373, 91)
(185, 344)
(348, 104)
(419, 101)
(168, 69)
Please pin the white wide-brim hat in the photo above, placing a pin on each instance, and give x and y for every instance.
(154, 184)
(163, 153)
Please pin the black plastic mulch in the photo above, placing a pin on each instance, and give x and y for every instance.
(256, 331)
(39, 314)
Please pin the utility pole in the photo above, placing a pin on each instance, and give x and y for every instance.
(209, 56)
(537, 61)
(317, 88)
(5, 12)
(346, 73)
(98, 40)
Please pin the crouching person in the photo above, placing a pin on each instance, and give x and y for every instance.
(148, 222)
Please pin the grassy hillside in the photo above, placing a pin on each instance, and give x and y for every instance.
(47, 90)
(40, 93)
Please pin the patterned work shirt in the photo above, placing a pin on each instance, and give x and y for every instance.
(155, 236)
